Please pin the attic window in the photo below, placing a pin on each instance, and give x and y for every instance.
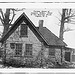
(24, 30)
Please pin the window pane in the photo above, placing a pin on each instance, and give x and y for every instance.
(73, 58)
(67, 56)
(12, 45)
(18, 50)
(28, 49)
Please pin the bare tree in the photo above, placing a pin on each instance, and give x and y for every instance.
(5, 18)
(6, 23)
(67, 16)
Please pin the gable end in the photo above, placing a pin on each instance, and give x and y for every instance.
(24, 18)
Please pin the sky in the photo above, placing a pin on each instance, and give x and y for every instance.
(51, 21)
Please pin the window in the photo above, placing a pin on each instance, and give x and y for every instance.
(52, 51)
(18, 50)
(73, 58)
(28, 51)
(12, 45)
(67, 56)
(23, 31)
(17, 47)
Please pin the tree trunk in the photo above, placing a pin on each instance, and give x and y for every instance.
(5, 30)
(6, 22)
(62, 24)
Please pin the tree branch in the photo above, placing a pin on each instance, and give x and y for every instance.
(69, 16)
(2, 13)
(17, 9)
(68, 29)
(70, 10)
(12, 16)
(59, 13)
(1, 20)
(58, 18)
(14, 13)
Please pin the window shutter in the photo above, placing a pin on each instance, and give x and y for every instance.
(23, 31)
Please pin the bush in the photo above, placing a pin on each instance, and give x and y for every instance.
(19, 63)
(44, 63)
(28, 63)
(64, 65)
(14, 63)
(1, 52)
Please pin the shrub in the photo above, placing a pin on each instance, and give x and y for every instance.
(28, 63)
(14, 63)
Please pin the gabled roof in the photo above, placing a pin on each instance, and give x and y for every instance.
(49, 38)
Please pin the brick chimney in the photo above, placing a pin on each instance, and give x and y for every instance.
(41, 25)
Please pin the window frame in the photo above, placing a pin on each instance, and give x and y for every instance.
(28, 50)
(17, 49)
(69, 56)
(22, 31)
(12, 47)
(52, 53)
